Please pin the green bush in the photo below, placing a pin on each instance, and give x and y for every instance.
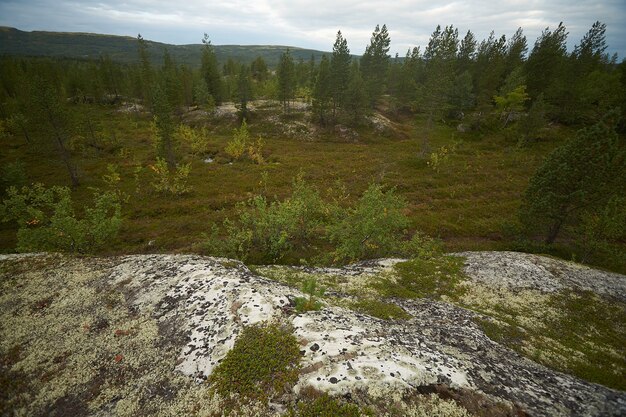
(263, 362)
(266, 231)
(47, 220)
(373, 228)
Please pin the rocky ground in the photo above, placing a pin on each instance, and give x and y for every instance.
(140, 335)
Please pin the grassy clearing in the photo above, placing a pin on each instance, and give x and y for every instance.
(465, 202)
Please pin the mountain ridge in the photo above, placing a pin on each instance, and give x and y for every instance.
(123, 48)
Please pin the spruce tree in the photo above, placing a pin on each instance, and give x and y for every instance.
(286, 79)
(375, 63)
(210, 71)
(340, 72)
(321, 91)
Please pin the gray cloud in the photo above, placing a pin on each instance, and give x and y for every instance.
(314, 23)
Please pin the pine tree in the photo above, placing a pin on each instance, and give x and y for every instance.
(467, 53)
(356, 95)
(49, 111)
(210, 71)
(286, 79)
(340, 72)
(581, 175)
(244, 90)
(375, 63)
(321, 91)
(434, 95)
(162, 114)
(146, 76)
(546, 65)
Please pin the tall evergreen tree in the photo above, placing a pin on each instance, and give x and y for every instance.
(375, 63)
(210, 70)
(490, 69)
(146, 76)
(49, 110)
(434, 93)
(547, 64)
(340, 72)
(516, 50)
(356, 95)
(244, 90)
(286, 80)
(321, 91)
(467, 53)
(171, 81)
(162, 115)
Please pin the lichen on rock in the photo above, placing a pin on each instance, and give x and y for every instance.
(140, 335)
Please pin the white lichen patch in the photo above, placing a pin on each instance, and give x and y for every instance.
(516, 270)
(349, 352)
(528, 307)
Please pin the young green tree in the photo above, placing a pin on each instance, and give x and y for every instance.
(339, 72)
(171, 81)
(577, 177)
(286, 80)
(162, 115)
(210, 71)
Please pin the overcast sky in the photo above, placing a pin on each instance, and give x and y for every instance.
(314, 23)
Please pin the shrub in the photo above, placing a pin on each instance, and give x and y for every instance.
(168, 181)
(198, 141)
(373, 228)
(47, 220)
(267, 231)
(237, 147)
(264, 361)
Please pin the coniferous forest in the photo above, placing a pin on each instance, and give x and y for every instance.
(469, 144)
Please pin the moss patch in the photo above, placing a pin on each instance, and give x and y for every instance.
(424, 278)
(263, 361)
(380, 309)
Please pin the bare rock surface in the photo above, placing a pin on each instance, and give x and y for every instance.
(201, 304)
(517, 270)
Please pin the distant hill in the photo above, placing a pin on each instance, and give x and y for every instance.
(124, 48)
